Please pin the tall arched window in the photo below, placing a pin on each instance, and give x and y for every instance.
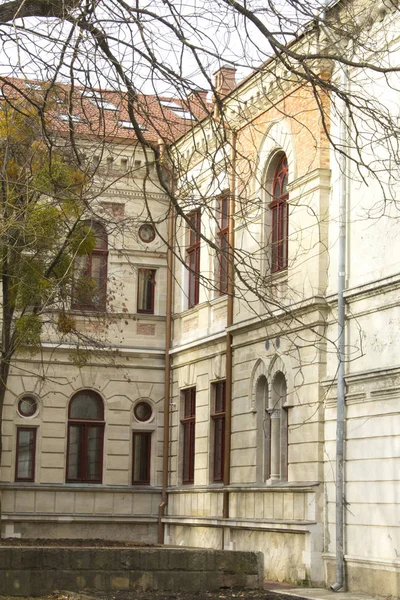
(90, 280)
(85, 438)
(278, 429)
(279, 220)
(263, 430)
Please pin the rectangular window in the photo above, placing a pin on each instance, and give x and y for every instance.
(141, 457)
(146, 287)
(223, 245)
(193, 258)
(188, 427)
(26, 450)
(89, 289)
(218, 417)
(85, 452)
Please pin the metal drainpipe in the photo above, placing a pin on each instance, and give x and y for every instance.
(167, 384)
(341, 352)
(229, 321)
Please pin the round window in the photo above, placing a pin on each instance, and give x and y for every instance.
(27, 406)
(143, 411)
(147, 233)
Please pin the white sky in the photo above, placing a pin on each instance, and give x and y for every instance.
(33, 48)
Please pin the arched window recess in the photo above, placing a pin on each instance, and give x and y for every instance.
(279, 216)
(85, 438)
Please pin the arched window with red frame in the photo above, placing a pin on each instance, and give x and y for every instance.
(279, 217)
(85, 438)
(90, 278)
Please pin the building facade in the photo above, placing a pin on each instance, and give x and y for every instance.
(245, 455)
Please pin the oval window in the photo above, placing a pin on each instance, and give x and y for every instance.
(147, 233)
(27, 406)
(143, 411)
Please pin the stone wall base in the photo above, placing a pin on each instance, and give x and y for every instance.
(39, 571)
(284, 552)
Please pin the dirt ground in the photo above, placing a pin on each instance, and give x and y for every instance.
(225, 594)
(221, 595)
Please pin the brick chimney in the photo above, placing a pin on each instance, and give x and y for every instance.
(224, 80)
(198, 95)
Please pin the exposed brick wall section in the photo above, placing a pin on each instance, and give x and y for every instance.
(306, 112)
(40, 571)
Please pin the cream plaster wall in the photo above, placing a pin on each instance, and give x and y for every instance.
(49, 506)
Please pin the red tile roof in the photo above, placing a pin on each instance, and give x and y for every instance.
(96, 112)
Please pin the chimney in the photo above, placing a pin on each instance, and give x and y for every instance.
(198, 96)
(224, 80)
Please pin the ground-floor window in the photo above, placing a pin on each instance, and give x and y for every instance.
(85, 438)
(25, 456)
(218, 419)
(141, 457)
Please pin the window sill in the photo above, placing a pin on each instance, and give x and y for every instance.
(301, 486)
(278, 276)
(84, 312)
(84, 487)
(219, 299)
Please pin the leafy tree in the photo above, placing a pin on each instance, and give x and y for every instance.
(43, 230)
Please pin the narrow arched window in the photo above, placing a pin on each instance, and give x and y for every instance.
(278, 440)
(90, 278)
(263, 430)
(279, 217)
(85, 438)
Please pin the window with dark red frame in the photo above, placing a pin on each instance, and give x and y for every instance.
(279, 217)
(218, 417)
(222, 235)
(26, 452)
(85, 438)
(146, 288)
(90, 279)
(188, 428)
(193, 258)
(141, 457)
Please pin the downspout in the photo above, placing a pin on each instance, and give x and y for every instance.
(229, 322)
(167, 383)
(341, 350)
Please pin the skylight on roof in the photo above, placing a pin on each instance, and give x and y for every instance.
(32, 86)
(74, 118)
(91, 94)
(171, 104)
(128, 125)
(104, 104)
(177, 109)
(184, 114)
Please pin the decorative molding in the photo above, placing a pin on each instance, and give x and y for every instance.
(319, 173)
(383, 393)
(368, 375)
(145, 329)
(355, 398)
(115, 192)
(190, 324)
(115, 209)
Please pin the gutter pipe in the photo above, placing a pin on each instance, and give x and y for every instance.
(341, 350)
(167, 384)
(229, 322)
